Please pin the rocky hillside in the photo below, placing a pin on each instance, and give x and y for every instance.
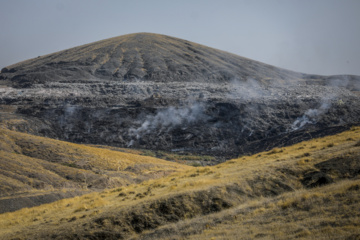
(162, 93)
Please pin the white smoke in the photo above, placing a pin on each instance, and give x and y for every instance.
(311, 116)
(70, 110)
(167, 119)
(336, 87)
(248, 89)
(339, 82)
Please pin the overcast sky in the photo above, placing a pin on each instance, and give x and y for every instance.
(309, 36)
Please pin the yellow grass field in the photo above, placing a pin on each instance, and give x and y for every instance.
(310, 190)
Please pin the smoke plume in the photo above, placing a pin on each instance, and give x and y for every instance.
(249, 89)
(311, 116)
(167, 119)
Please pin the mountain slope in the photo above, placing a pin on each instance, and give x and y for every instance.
(312, 188)
(141, 56)
(157, 92)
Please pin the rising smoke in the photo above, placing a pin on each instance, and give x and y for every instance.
(249, 89)
(311, 116)
(167, 119)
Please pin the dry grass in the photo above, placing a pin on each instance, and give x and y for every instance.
(187, 159)
(82, 156)
(264, 196)
(330, 212)
(36, 165)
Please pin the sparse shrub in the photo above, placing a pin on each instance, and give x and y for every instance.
(73, 165)
(305, 202)
(355, 187)
(148, 153)
(122, 194)
(139, 195)
(303, 155)
(203, 170)
(275, 150)
(285, 204)
(195, 164)
(117, 190)
(158, 185)
(80, 209)
(330, 145)
(303, 161)
(217, 175)
(72, 219)
(302, 233)
(357, 144)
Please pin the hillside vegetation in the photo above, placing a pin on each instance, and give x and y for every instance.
(35, 170)
(308, 190)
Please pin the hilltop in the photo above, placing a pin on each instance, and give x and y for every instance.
(161, 93)
(145, 56)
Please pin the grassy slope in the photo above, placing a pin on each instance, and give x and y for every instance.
(36, 166)
(259, 196)
(188, 159)
(329, 212)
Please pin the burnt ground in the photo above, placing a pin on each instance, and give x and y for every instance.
(161, 93)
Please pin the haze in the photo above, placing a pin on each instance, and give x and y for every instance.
(312, 36)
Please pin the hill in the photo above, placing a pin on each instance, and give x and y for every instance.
(37, 170)
(308, 190)
(162, 93)
(146, 56)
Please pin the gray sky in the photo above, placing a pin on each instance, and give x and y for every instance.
(309, 36)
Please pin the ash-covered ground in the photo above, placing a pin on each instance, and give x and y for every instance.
(223, 120)
(162, 93)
